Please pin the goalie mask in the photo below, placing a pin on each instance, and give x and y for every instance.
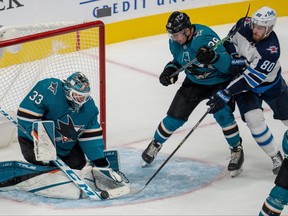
(266, 17)
(77, 90)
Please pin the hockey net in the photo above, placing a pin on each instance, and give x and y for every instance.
(30, 53)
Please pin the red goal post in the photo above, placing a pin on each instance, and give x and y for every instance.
(30, 53)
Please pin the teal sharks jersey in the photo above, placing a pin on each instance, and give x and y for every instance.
(215, 73)
(47, 101)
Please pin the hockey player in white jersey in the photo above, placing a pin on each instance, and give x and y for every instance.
(256, 49)
(78, 136)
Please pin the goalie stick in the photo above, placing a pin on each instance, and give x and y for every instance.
(66, 169)
(138, 190)
(221, 42)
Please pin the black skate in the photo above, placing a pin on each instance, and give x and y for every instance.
(150, 153)
(277, 161)
(236, 162)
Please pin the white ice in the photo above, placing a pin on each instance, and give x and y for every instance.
(136, 103)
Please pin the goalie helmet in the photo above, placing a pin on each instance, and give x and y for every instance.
(77, 90)
(266, 17)
(177, 22)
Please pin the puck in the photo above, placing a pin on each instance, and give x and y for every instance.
(104, 194)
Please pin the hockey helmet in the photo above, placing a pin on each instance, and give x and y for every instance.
(77, 90)
(177, 22)
(266, 17)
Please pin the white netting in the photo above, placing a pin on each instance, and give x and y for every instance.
(32, 52)
(22, 65)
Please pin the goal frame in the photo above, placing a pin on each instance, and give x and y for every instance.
(102, 58)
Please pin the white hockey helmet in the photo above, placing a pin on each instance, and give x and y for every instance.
(266, 17)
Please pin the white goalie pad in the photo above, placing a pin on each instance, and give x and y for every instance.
(115, 183)
(43, 133)
(8, 132)
(53, 184)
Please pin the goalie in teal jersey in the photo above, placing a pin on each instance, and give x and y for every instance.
(78, 135)
(209, 73)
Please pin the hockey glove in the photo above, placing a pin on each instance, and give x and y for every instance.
(165, 77)
(238, 65)
(206, 55)
(218, 101)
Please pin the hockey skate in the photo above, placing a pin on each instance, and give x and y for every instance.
(277, 161)
(236, 161)
(150, 153)
(115, 183)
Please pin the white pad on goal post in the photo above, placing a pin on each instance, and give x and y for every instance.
(43, 133)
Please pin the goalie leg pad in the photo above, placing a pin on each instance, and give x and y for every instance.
(115, 183)
(113, 157)
(54, 184)
(88, 178)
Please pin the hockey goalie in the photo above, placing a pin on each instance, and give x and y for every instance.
(58, 128)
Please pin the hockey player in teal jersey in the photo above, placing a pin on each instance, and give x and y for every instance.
(203, 79)
(78, 135)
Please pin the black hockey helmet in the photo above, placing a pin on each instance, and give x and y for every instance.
(177, 22)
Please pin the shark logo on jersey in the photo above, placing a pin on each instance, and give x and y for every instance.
(198, 33)
(273, 49)
(53, 87)
(69, 131)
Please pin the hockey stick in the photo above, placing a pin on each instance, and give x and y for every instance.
(221, 42)
(66, 169)
(137, 190)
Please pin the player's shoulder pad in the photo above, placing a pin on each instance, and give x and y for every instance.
(270, 47)
(49, 85)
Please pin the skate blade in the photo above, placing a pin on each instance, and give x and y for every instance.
(235, 173)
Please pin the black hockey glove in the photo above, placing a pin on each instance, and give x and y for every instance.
(165, 77)
(238, 65)
(206, 55)
(218, 101)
